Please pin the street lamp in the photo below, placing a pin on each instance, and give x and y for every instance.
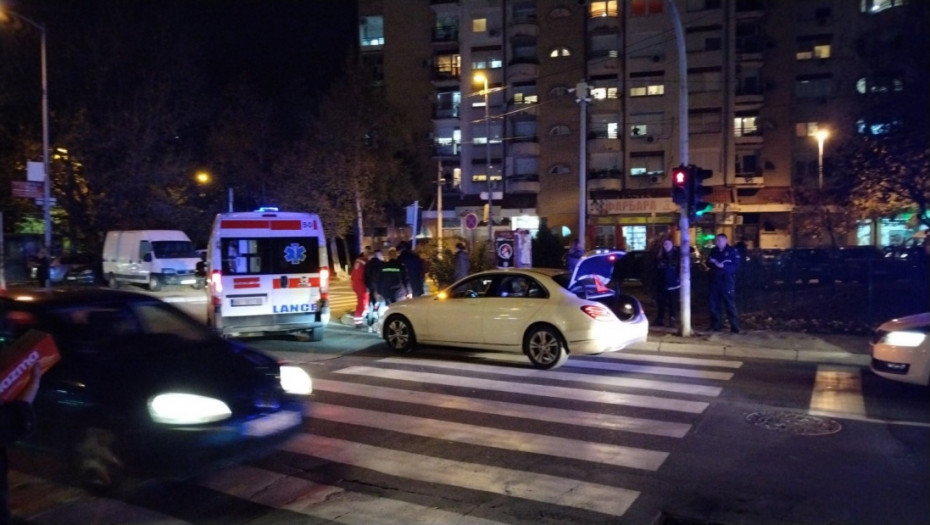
(821, 136)
(482, 78)
(46, 185)
(202, 177)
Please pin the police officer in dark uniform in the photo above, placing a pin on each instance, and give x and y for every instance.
(668, 282)
(723, 262)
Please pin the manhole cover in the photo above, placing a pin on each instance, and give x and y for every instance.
(794, 422)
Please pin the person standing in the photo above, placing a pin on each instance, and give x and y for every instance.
(43, 265)
(360, 289)
(668, 282)
(414, 266)
(394, 285)
(372, 282)
(723, 262)
(462, 265)
(575, 253)
(17, 420)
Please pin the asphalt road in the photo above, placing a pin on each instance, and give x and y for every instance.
(448, 436)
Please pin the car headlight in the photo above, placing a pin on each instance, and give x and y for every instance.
(294, 380)
(187, 409)
(904, 338)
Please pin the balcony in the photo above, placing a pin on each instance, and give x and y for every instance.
(523, 183)
(603, 142)
(524, 26)
(522, 68)
(442, 113)
(445, 34)
(611, 179)
(604, 24)
(524, 147)
(603, 62)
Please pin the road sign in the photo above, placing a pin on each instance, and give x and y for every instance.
(471, 221)
(27, 189)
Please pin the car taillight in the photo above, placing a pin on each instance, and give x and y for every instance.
(324, 283)
(216, 283)
(598, 312)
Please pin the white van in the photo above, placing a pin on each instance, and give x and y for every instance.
(150, 257)
(268, 272)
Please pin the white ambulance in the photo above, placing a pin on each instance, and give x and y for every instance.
(268, 272)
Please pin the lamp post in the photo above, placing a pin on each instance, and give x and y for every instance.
(821, 136)
(46, 184)
(481, 77)
(202, 177)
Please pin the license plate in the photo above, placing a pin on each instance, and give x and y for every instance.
(272, 423)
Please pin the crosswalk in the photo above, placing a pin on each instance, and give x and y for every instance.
(466, 438)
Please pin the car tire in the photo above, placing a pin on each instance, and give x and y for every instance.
(112, 282)
(399, 335)
(154, 283)
(99, 460)
(545, 348)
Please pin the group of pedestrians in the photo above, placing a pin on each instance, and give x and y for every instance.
(381, 280)
(723, 263)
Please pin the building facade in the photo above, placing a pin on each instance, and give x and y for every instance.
(559, 111)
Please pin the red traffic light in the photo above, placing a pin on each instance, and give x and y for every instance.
(680, 177)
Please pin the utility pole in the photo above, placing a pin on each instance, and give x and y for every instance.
(439, 209)
(581, 91)
(683, 221)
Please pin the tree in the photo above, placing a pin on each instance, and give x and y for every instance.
(892, 176)
(352, 164)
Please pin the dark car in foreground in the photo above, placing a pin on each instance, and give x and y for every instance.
(142, 388)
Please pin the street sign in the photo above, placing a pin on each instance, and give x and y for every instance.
(27, 189)
(471, 221)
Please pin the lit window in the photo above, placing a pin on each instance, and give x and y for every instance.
(806, 129)
(479, 25)
(601, 93)
(560, 52)
(745, 126)
(648, 91)
(599, 9)
(371, 31)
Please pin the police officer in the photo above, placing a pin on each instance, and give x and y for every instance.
(414, 266)
(723, 262)
(668, 282)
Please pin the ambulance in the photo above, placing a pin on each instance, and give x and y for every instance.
(268, 273)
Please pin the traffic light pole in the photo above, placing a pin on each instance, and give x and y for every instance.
(683, 221)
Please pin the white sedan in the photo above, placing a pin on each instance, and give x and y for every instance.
(542, 313)
(901, 349)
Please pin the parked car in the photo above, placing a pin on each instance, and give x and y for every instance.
(543, 313)
(143, 388)
(859, 263)
(901, 349)
(78, 268)
(805, 265)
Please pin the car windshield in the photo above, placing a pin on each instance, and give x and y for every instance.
(174, 250)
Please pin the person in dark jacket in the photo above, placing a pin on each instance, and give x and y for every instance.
(17, 420)
(462, 264)
(394, 285)
(372, 282)
(43, 268)
(668, 282)
(414, 266)
(723, 262)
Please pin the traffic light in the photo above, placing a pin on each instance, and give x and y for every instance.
(696, 193)
(680, 186)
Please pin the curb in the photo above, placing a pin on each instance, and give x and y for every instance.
(743, 351)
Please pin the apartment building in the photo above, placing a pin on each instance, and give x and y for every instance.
(559, 111)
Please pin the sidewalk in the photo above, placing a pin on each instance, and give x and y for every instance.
(762, 344)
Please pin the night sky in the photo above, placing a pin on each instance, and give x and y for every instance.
(269, 42)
